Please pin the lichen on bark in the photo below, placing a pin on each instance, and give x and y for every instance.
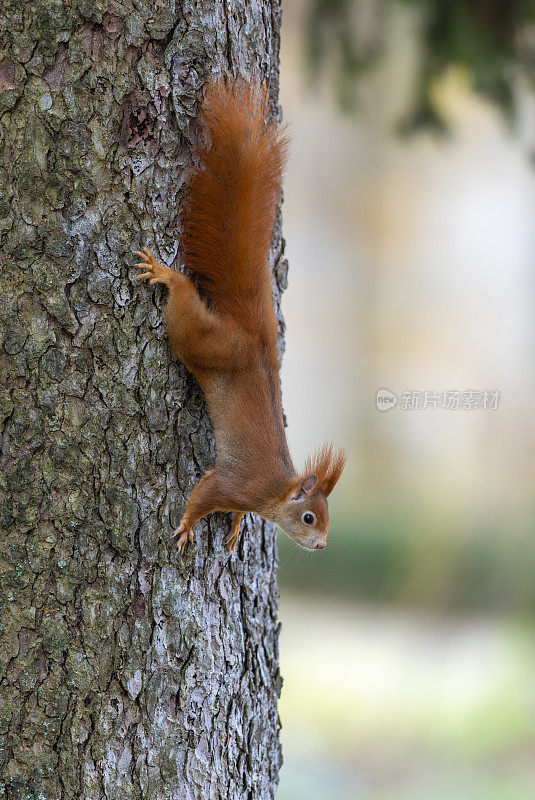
(127, 672)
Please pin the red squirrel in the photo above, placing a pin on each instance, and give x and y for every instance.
(227, 337)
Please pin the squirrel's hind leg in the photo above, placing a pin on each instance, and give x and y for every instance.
(156, 273)
(201, 339)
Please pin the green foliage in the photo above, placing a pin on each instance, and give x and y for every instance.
(490, 39)
(389, 561)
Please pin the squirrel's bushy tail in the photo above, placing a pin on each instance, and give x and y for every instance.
(232, 199)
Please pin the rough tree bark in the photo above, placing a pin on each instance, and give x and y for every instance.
(127, 672)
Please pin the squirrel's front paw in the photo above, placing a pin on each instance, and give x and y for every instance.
(185, 535)
(232, 539)
(156, 272)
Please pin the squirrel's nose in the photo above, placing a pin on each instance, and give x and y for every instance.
(320, 546)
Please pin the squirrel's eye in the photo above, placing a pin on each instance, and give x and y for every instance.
(308, 518)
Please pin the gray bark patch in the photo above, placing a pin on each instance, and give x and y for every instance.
(127, 671)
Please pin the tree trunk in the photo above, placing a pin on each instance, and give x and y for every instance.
(127, 671)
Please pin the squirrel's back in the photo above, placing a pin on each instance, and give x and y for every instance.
(232, 200)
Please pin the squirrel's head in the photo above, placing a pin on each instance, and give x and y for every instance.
(303, 512)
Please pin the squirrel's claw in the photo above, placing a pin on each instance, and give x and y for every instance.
(185, 536)
(145, 254)
(156, 273)
(232, 538)
(230, 542)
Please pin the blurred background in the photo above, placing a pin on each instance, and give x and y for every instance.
(408, 645)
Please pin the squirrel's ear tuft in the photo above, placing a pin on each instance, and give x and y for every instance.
(305, 488)
(335, 471)
(328, 464)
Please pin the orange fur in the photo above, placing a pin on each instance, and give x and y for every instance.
(233, 198)
(327, 464)
(229, 343)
